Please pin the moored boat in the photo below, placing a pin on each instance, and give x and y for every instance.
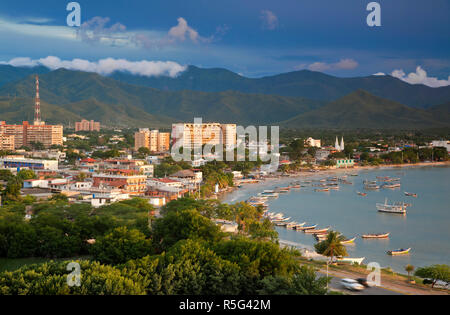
(349, 241)
(401, 251)
(314, 231)
(304, 228)
(352, 260)
(410, 194)
(396, 208)
(380, 235)
(362, 194)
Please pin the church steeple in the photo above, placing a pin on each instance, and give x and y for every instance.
(336, 145)
(342, 144)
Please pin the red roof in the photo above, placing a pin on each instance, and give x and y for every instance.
(88, 160)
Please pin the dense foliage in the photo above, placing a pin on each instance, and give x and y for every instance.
(183, 252)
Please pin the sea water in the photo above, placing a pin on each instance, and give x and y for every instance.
(425, 228)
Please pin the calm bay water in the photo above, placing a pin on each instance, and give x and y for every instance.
(425, 228)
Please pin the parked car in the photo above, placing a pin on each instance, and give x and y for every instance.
(352, 285)
(364, 282)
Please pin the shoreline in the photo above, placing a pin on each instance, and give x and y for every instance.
(222, 195)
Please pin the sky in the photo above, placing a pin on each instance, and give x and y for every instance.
(252, 38)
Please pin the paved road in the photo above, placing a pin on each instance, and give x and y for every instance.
(335, 284)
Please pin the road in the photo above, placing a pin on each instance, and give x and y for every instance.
(335, 284)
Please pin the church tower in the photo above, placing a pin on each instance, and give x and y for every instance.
(336, 145)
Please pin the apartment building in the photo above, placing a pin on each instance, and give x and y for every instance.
(7, 142)
(196, 135)
(85, 125)
(129, 184)
(154, 140)
(26, 134)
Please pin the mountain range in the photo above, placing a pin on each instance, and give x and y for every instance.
(295, 100)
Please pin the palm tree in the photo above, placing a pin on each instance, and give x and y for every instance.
(332, 246)
(409, 268)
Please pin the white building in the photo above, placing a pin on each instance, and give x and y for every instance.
(444, 144)
(313, 142)
(24, 163)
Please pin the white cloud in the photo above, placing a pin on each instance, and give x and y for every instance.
(182, 29)
(379, 74)
(420, 77)
(269, 20)
(343, 64)
(104, 66)
(28, 27)
(97, 30)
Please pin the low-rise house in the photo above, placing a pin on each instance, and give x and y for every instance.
(24, 163)
(345, 163)
(129, 184)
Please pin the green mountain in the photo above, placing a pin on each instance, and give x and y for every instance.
(67, 96)
(304, 83)
(10, 74)
(92, 96)
(361, 109)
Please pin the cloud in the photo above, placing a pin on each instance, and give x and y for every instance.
(379, 74)
(343, 64)
(96, 30)
(420, 77)
(104, 66)
(181, 30)
(269, 20)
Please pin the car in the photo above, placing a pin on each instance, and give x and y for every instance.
(364, 282)
(352, 285)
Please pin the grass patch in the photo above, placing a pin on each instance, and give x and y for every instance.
(11, 264)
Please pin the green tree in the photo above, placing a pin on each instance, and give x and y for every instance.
(409, 268)
(332, 246)
(434, 272)
(184, 224)
(121, 245)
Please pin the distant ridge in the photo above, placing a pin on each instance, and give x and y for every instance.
(303, 83)
(71, 95)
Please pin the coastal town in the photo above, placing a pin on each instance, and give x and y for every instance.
(222, 156)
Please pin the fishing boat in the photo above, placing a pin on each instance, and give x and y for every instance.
(334, 188)
(304, 228)
(291, 225)
(380, 235)
(396, 208)
(322, 190)
(352, 260)
(371, 185)
(314, 231)
(399, 252)
(392, 186)
(283, 220)
(349, 241)
(410, 194)
(321, 237)
(361, 193)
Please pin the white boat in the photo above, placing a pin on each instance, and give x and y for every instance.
(397, 208)
(352, 260)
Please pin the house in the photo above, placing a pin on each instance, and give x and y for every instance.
(128, 184)
(345, 163)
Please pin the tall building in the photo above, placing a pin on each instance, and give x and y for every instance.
(85, 125)
(154, 140)
(26, 134)
(7, 142)
(196, 135)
